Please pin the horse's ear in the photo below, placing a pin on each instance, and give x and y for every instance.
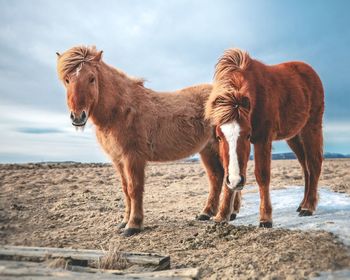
(98, 57)
(245, 102)
(58, 54)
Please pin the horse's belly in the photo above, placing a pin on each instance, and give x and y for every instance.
(183, 148)
(290, 129)
(292, 120)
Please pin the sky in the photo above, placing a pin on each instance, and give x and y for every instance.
(172, 44)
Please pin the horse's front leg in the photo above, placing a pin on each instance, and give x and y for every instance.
(215, 172)
(123, 177)
(262, 156)
(226, 205)
(135, 170)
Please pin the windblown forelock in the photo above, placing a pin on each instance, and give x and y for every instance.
(222, 107)
(73, 60)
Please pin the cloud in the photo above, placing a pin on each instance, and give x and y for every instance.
(41, 135)
(337, 136)
(172, 44)
(35, 130)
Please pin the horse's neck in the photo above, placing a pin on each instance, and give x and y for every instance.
(118, 94)
(256, 78)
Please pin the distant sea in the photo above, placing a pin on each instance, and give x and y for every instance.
(280, 156)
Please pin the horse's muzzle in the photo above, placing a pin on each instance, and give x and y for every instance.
(238, 187)
(79, 119)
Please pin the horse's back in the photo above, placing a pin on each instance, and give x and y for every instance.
(196, 89)
(201, 92)
(299, 81)
(293, 94)
(305, 76)
(188, 101)
(178, 127)
(312, 82)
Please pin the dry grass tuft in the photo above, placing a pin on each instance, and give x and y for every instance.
(58, 263)
(112, 260)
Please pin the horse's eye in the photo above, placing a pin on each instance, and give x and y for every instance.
(248, 137)
(219, 138)
(92, 79)
(67, 81)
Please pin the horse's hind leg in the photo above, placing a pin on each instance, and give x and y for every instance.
(312, 138)
(215, 172)
(298, 148)
(120, 168)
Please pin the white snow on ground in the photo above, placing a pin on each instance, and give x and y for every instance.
(332, 214)
(334, 275)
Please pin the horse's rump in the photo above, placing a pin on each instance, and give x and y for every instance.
(178, 128)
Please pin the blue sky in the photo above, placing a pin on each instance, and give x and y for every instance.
(172, 44)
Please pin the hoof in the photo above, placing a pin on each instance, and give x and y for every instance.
(220, 220)
(131, 231)
(121, 225)
(299, 209)
(203, 217)
(305, 213)
(233, 217)
(265, 224)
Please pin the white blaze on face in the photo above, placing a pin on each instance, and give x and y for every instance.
(77, 71)
(231, 132)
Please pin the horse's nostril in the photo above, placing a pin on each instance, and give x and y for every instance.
(228, 181)
(72, 116)
(83, 115)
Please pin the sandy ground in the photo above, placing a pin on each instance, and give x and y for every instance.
(78, 206)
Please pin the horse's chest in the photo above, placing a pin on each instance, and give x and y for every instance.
(109, 144)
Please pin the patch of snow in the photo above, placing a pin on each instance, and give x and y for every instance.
(332, 213)
(334, 275)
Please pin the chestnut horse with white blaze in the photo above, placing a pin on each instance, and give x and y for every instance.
(135, 125)
(256, 103)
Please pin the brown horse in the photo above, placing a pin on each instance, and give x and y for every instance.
(255, 103)
(135, 125)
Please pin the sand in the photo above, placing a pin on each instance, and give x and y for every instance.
(78, 205)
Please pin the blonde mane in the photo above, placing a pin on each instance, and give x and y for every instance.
(233, 60)
(74, 59)
(224, 104)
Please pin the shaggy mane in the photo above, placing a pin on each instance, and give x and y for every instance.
(74, 59)
(233, 60)
(224, 104)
